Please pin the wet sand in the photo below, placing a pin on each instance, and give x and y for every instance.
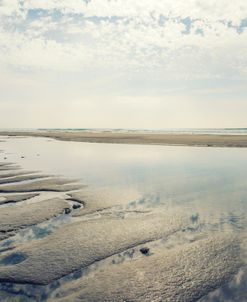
(63, 241)
(139, 138)
(157, 278)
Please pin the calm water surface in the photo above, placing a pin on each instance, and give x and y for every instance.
(209, 177)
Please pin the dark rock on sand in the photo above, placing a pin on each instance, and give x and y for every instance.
(186, 272)
(144, 250)
(194, 217)
(76, 206)
(82, 243)
(67, 211)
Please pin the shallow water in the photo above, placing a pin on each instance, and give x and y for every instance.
(208, 177)
(210, 183)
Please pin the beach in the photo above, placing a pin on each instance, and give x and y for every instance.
(171, 139)
(123, 151)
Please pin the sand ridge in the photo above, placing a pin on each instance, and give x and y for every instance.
(204, 140)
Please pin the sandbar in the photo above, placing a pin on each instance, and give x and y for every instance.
(203, 140)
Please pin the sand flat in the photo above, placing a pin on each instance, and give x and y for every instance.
(82, 243)
(139, 138)
(184, 273)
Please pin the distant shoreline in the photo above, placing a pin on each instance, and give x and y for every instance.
(198, 131)
(201, 140)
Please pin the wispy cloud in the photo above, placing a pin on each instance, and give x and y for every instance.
(121, 55)
(185, 39)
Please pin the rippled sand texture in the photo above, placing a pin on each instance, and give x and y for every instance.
(15, 212)
(185, 273)
(90, 241)
(83, 243)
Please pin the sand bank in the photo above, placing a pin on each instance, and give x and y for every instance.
(139, 138)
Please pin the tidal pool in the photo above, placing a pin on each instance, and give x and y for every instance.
(212, 178)
(209, 184)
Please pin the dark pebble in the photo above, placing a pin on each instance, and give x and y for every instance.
(144, 250)
(76, 206)
(67, 211)
(194, 217)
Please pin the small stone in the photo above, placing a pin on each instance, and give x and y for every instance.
(67, 211)
(23, 157)
(76, 206)
(194, 218)
(144, 250)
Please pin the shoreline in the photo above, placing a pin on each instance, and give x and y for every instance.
(196, 140)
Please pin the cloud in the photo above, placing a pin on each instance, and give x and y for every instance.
(123, 63)
(172, 39)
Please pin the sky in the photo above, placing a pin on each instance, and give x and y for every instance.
(123, 63)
